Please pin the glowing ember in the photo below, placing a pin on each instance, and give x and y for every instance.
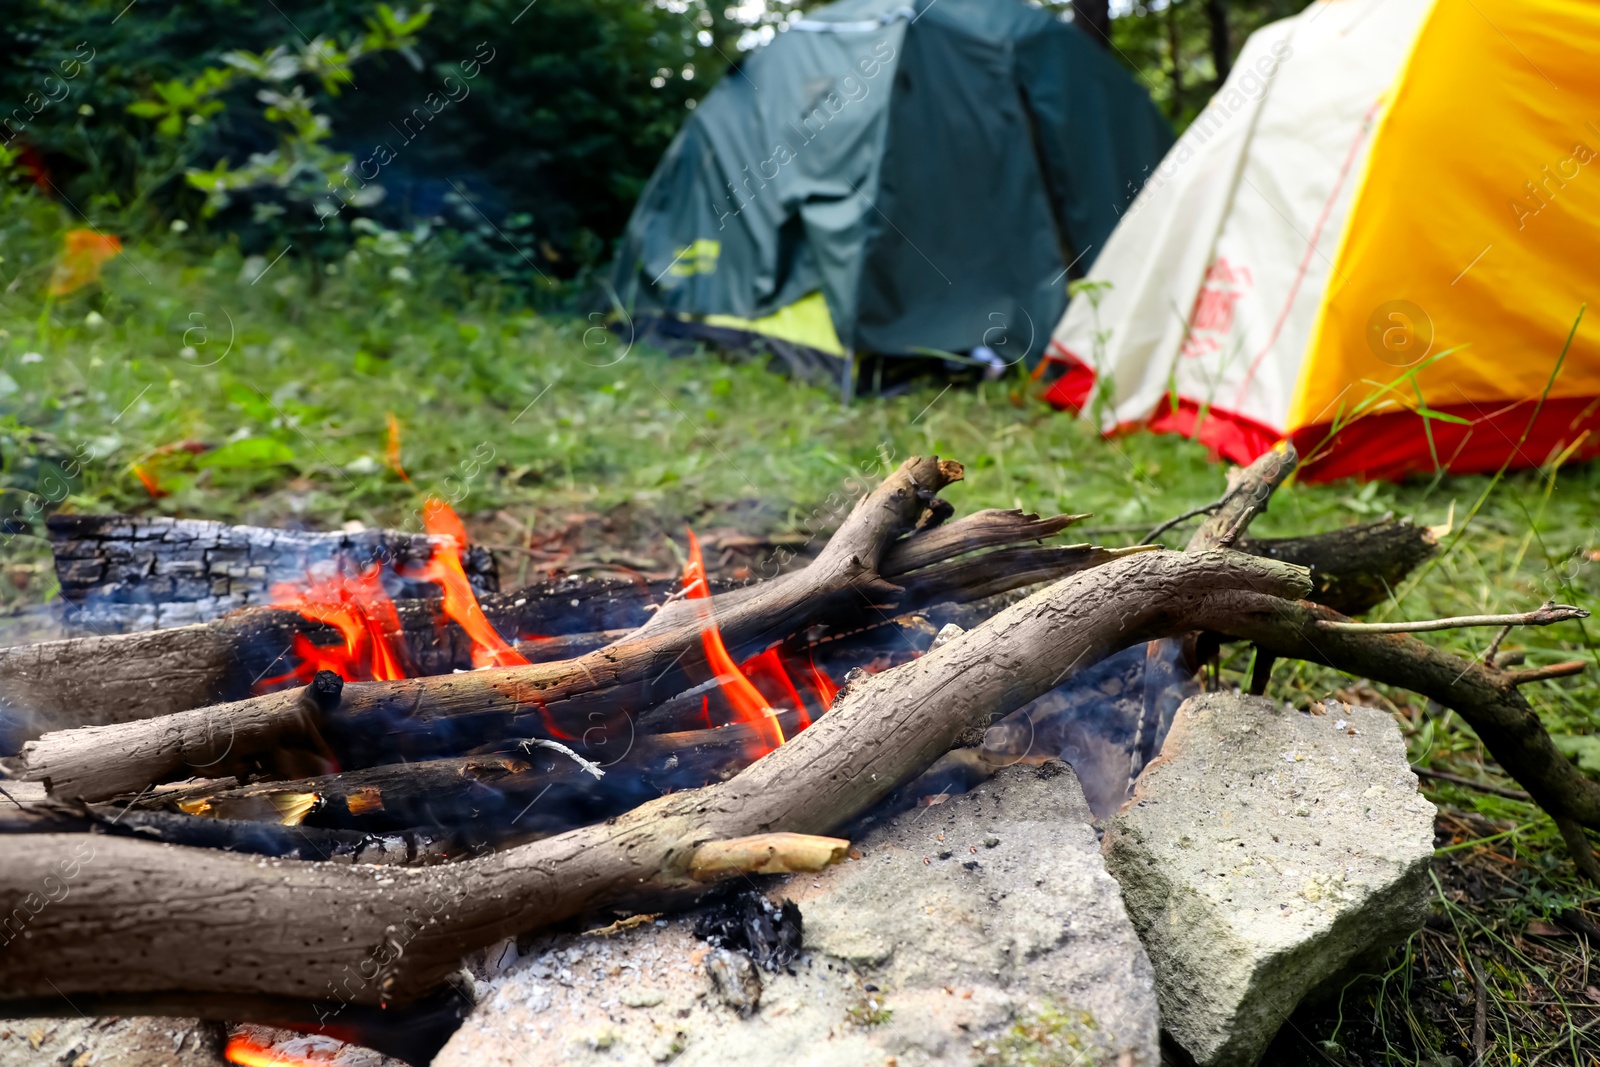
(748, 703)
(489, 649)
(247, 1053)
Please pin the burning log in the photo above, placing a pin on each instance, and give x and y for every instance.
(128, 923)
(92, 681)
(122, 572)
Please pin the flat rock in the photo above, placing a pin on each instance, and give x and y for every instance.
(1260, 853)
(983, 931)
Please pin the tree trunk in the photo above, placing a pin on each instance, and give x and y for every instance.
(1221, 45)
(1094, 18)
(1174, 56)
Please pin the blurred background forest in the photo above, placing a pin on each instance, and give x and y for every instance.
(512, 137)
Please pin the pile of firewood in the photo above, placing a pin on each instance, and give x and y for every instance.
(350, 842)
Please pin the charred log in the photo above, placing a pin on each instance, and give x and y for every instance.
(412, 847)
(523, 794)
(125, 572)
(1353, 570)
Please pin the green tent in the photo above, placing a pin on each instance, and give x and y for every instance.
(893, 178)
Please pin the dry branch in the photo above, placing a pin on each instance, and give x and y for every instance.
(1249, 491)
(1548, 615)
(99, 762)
(981, 529)
(92, 681)
(130, 922)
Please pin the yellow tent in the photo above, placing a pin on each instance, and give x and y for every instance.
(1375, 241)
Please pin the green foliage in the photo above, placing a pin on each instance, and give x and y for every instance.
(302, 167)
(528, 128)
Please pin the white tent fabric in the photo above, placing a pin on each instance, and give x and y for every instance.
(1218, 270)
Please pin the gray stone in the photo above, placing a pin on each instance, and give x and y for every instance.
(126, 1042)
(980, 931)
(1260, 853)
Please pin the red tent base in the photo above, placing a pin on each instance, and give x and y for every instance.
(1394, 444)
(1387, 446)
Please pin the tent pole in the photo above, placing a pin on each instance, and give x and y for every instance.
(847, 379)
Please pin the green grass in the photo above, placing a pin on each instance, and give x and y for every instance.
(536, 417)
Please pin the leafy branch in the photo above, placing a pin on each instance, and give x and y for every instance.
(302, 166)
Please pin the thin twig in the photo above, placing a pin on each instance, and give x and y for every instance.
(589, 766)
(1483, 787)
(1494, 646)
(1576, 1032)
(1480, 1014)
(1205, 509)
(1541, 674)
(1543, 616)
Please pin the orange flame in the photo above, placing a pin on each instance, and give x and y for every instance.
(821, 685)
(748, 703)
(767, 668)
(82, 253)
(489, 649)
(373, 647)
(364, 616)
(247, 1053)
(391, 447)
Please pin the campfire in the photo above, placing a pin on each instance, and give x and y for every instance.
(305, 813)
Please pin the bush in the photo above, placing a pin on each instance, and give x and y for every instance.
(534, 158)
